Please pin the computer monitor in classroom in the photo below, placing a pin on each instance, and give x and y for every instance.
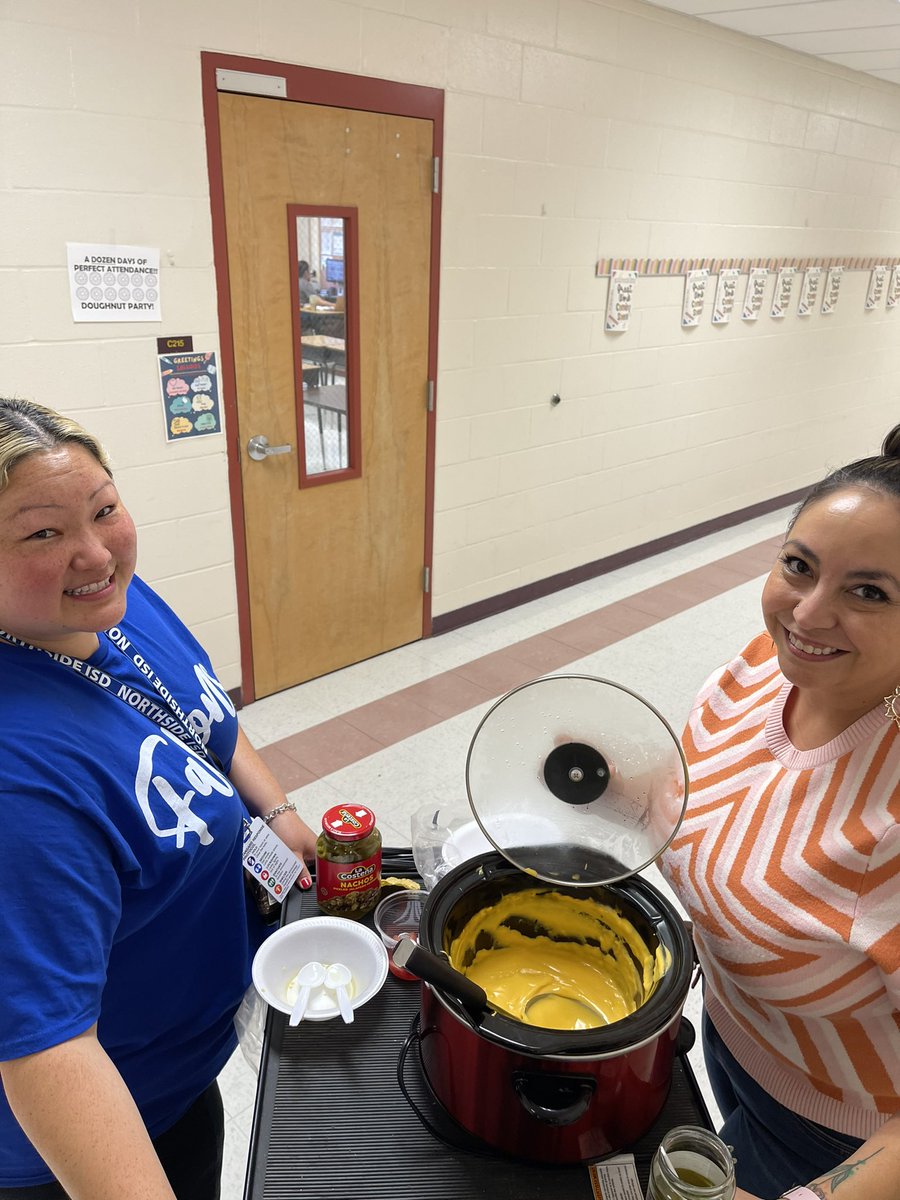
(334, 270)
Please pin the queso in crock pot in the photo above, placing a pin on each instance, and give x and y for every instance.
(558, 961)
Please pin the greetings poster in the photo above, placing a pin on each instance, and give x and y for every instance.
(190, 395)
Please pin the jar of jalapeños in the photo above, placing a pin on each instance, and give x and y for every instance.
(348, 862)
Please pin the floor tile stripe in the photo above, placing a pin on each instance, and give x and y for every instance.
(360, 732)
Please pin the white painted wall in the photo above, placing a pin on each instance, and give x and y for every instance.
(576, 129)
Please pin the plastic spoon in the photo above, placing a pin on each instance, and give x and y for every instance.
(336, 979)
(310, 976)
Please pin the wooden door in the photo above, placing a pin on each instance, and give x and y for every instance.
(335, 563)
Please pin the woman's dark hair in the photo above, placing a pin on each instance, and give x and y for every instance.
(302, 267)
(27, 428)
(881, 473)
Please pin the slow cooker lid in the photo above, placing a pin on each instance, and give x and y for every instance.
(576, 780)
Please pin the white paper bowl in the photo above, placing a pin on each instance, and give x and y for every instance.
(326, 940)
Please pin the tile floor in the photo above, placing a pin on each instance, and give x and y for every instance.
(393, 732)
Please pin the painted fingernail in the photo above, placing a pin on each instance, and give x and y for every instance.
(306, 883)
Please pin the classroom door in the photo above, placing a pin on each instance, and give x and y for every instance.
(335, 550)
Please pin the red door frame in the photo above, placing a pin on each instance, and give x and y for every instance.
(335, 89)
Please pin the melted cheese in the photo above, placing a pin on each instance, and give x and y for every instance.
(558, 961)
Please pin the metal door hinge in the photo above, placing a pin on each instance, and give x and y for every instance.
(429, 397)
(436, 175)
(426, 580)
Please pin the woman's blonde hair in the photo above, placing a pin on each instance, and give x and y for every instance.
(27, 428)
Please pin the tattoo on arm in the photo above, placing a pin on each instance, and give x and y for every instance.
(840, 1175)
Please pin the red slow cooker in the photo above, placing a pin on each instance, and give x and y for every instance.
(578, 782)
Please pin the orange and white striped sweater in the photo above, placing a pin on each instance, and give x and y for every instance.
(788, 863)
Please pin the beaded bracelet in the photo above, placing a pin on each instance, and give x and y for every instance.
(288, 806)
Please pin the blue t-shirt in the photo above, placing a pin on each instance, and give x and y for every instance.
(121, 885)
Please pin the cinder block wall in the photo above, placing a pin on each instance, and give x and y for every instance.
(575, 130)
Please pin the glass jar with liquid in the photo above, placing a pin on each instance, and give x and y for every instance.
(691, 1164)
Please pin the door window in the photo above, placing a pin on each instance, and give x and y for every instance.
(323, 266)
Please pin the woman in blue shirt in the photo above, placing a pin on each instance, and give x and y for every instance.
(124, 784)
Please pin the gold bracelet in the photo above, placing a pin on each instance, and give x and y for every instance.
(288, 806)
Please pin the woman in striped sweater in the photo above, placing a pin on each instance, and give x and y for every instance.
(788, 860)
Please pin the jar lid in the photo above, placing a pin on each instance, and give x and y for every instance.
(576, 780)
(348, 822)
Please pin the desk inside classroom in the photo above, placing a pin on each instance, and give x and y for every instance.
(321, 320)
(320, 341)
(327, 353)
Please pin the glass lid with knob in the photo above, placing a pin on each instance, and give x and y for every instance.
(576, 780)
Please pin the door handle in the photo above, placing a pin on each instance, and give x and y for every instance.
(258, 448)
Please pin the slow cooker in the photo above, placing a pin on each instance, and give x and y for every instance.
(578, 783)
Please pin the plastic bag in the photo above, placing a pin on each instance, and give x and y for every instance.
(250, 1023)
(442, 837)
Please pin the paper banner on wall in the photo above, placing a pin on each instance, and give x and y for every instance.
(784, 285)
(893, 292)
(753, 297)
(832, 289)
(114, 283)
(190, 395)
(809, 291)
(619, 300)
(694, 294)
(726, 293)
(877, 280)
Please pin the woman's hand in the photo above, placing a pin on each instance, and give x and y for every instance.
(297, 835)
